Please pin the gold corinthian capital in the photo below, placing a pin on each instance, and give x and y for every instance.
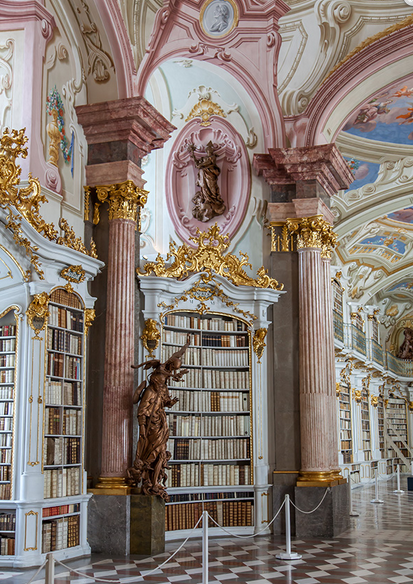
(313, 232)
(125, 201)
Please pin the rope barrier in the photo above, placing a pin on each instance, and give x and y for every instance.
(34, 576)
(313, 510)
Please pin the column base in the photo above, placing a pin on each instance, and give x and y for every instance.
(330, 519)
(320, 479)
(111, 486)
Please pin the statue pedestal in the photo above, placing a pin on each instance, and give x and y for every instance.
(147, 525)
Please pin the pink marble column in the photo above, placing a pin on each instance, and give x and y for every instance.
(330, 363)
(119, 354)
(314, 400)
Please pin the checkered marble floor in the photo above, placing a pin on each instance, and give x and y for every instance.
(372, 551)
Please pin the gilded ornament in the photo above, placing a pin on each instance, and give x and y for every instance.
(150, 336)
(38, 312)
(90, 314)
(357, 395)
(73, 274)
(69, 238)
(338, 389)
(54, 137)
(410, 406)
(69, 288)
(208, 258)
(313, 232)
(204, 109)
(374, 401)
(204, 293)
(124, 199)
(258, 342)
(87, 203)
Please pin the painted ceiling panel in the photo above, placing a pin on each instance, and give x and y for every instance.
(403, 216)
(364, 172)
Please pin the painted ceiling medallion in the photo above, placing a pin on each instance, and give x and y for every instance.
(204, 109)
(218, 17)
(182, 177)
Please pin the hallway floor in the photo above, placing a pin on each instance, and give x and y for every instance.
(378, 550)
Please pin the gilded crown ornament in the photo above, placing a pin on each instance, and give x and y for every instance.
(26, 200)
(208, 257)
(204, 109)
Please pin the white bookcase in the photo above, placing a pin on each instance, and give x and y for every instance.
(219, 427)
(43, 499)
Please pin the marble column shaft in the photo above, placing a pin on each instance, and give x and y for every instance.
(119, 350)
(330, 362)
(314, 400)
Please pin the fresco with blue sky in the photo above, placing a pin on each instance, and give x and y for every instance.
(386, 116)
(364, 172)
(383, 240)
(403, 216)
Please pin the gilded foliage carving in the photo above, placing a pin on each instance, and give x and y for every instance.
(150, 336)
(208, 257)
(258, 342)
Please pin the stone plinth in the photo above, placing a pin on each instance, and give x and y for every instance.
(330, 519)
(108, 525)
(147, 525)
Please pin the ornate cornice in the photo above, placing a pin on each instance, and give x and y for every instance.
(208, 257)
(408, 21)
(124, 199)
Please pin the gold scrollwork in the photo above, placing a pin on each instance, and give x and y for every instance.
(204, 293)
(124, 199)
(150, 336)
(258, 342)
(26, 531)
(38, 312)
(204, 109)
(208, 257)
(338, 389)
(73, 274)
(90, 314)
(374, 401)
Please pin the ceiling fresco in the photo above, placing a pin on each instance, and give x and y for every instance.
(364, 172)
(402, 216)
(387, 116)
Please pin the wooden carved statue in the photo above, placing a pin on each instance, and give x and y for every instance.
(406, 348)
(207, 201)
(152, 457)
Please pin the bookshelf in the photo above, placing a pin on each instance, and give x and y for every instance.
(365, 424)
(338, 310)
(210, 426)
(8, 359)
(346, 435)
(63, 420)
(396, 416)
(380, 425)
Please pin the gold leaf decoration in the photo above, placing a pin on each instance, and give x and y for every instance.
(150, 336)
(89, 318)
(204, 109)
(208, 257)
(258, 342)
(38, 312)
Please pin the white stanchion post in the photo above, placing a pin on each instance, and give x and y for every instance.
(49, 569)
(352, 512)
(412, 467)
(376, 492)
(398, 491)
(205, 547)
(288, 555)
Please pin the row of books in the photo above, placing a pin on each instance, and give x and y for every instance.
(65, 318)
(219, 449)
(187, 497)
(5, 455)
(181, 338)
(61, 510)
(210, 401)
(208, 324)
(8, 330)
(61, 451)
(6, 393)
(211, 357)
(6, 375)
(193, 378)
(7, 546)
(209, 425)
(72, 366)
(225, 513)
(210, 475)
(6, 408)
(345, 445)
(5, 473)
(7, 360)
(347, 457)
(7, 521)
(62, 296)
(7, 345)
(60, 533)
(224, 340)
(6, 439)
(72, 421)
(192, 356)
(214, 379)
(66, 392)
(5, 492)
(6, 424)
(61, 482)
(66, 342)
(345, 434)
